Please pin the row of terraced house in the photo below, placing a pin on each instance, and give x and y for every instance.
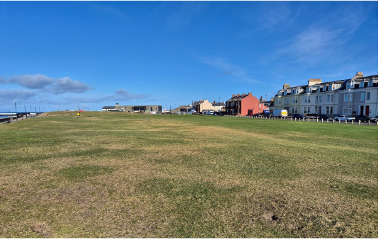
(355, 96)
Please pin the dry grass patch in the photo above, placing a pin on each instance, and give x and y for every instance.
(126, 175)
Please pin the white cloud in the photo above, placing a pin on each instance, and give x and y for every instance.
(10, 96)
(118, 96)
(31, 81)
(66, 84)
(47, 84)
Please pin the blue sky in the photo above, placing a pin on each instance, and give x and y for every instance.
(59, 54)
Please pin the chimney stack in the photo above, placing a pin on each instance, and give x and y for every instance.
(286, 86)
(358, 74)
(314, 81)
(233, 95)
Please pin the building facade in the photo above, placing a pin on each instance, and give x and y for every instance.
(134, 108)
(355, 96)
(245, 104)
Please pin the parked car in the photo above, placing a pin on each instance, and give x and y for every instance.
(362, 118)
(344, 118)
(324, 117)
(256, 115)
(299, 116)
(374, 119)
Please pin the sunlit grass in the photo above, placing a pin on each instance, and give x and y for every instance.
(130, 175)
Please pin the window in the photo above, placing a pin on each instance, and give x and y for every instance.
(304, 110)
(295, 109)
(324, 88)
(332, 99)
(362, 84)
(294, 100)
(308, 109)
(350, 97)
(320, 99)
(368, 95)
(308, 99)
(328, 98)
(362, 96)
(316, 99)
(370, 83)
(305, 98)
(346, 98)
(327, 110)
(348, 86)
(345, 109)
(349, 110)
(331, 110)
(139, 108)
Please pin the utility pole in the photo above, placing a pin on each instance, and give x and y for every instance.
(16, 110)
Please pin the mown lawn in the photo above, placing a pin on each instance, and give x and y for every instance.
(129, 175)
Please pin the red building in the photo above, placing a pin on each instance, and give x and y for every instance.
(243, 105)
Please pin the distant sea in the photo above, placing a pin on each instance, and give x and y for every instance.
(11, 112)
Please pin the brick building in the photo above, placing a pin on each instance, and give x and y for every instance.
(242, 105)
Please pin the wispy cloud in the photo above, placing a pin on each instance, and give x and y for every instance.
(107, 9)
(229, 69)
(184, 14)
(312, 45)
(323, 41)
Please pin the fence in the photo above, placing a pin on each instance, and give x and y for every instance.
(307, 120)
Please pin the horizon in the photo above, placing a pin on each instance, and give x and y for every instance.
(56, 55)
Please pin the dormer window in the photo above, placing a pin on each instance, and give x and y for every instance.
(348, 86)
(362, 84)
(370, 83)
(324, 88)
(318, 89)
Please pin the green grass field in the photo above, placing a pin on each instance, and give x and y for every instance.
(131, 175)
